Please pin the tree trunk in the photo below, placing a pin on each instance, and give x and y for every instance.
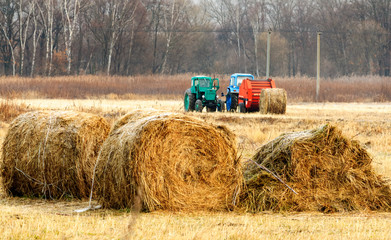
(169, 28)
(35, 41)
(130, 50)
(111, 46)
(238, 35)
(12, 52)
(80, 51)
(112, 39)
(69, 28)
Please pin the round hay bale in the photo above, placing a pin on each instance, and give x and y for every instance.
(134, 116)
(168, 161)
(330, 173)
(272, 100)
(52, 154)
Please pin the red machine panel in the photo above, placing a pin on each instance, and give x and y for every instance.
(250, 90)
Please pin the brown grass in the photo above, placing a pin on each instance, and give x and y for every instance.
(9, 110)
(342, 89)
(51, 154)
(299, 88)
(330, 173)
(169, 161)
(82, 87)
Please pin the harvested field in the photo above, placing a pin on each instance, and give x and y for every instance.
(51, 154)
(330, 172)
(25, 218)
(168, 161)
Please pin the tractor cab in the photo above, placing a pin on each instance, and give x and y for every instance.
(237, 79)
(205, 88)
(202, 93)
(233, 89)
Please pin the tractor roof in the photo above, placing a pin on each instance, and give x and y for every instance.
(242, 75)
(201, 77)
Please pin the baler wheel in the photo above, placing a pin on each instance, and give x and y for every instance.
(242, 108)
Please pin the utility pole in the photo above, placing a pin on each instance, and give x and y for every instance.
(268, 54)
(318, 66)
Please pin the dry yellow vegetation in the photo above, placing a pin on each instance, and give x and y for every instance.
(369, 123)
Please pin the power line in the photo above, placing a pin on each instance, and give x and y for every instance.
(250, 31)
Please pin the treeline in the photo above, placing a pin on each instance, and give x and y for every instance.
(128, 37)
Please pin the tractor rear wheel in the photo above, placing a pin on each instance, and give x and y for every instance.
(189, 101)
(234, 102)
(198, 105)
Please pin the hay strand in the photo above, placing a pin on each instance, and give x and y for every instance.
(168, 161)
(330, 172)
(52, 154)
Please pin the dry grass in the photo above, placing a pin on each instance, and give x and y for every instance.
(367, 123)
(9, 110)
(165, 87)
(39, 220)
(85, 87)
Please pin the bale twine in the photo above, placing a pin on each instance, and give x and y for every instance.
(330, 173)
(168, 161)
(273, 100)
(52, 154)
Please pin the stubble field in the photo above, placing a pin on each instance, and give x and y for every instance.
(22, 218)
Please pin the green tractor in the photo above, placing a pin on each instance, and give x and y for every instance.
(203, 94)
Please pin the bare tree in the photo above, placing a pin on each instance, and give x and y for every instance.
(9, 28)
(170, 23)
(47, 17)
(70, 14)
(23, 29)
(121, 14)
(11, 49)
(36, 35)
(155, 9)
(256, 11)
(228, 15)
(381, 13)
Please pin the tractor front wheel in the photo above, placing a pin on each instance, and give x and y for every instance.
(189, 101)
(220, 106)
(198, 105)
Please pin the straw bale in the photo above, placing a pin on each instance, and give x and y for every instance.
(134, 116)
(52, 154)
(330, 172)
(168, 161)
(273, 100)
